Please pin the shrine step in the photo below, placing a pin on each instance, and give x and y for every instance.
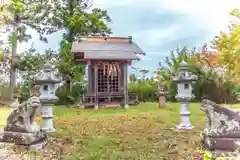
(112, 105)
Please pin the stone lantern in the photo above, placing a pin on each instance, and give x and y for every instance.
(184, 81)
(47, 81)
(162, 95)
(161, 92)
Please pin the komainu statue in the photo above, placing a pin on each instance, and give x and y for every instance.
(223, 130)
(22, 118)
(20, 127)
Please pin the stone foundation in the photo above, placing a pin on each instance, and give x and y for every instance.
(20, 138)
(221, 144)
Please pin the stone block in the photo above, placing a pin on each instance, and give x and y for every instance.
(162, 101)
(20, 138)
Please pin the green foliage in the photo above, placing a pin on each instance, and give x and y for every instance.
(228, 44)
(211, 83)
(66, 97)
(145, 89)
(67, 66)
(70, 16)
(207, 155)
(31, 13)
(30, 63)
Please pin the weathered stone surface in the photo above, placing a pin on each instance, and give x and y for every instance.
(162, 101)
(14, 105)
(223, 130)
(20, 138)
(20, 128)
(162, 92)
(22, 118)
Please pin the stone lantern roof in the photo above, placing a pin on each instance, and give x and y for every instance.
(184, 75)
(183, 66)
(47, 75)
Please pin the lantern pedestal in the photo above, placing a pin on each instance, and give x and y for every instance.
(47, 119)
(126, 106)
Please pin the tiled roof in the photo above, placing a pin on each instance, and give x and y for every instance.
(121, 55)
(107, 48)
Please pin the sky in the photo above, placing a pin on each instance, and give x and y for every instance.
(158, 26)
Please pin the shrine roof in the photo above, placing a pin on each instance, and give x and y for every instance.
(97, 47)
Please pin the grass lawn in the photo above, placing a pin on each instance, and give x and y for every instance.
(4, 112)
(141, 132)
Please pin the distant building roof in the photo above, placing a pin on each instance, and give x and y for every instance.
(97, 47)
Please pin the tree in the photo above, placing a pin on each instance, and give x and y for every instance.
(210, 81)
(144, 72)
(30, 63)
(228, 45)
(70, 16)
(132, 78)
(16, 16)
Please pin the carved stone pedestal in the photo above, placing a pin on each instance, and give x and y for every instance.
(185, 117)
(47, 118)
(20, 138)
(162, 101)
(221, 144)
(222, 136)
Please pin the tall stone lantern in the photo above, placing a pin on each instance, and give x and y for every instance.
(184, 81)
(47, 81)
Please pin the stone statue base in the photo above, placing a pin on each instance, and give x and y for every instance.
(184, 127)
(223, 130)
(20, 138)
(162, 101)
(221, 143)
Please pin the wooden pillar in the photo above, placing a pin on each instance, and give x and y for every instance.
(89, 77)
(96, 86)
(125, 86)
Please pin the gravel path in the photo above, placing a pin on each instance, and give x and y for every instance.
(6, 153)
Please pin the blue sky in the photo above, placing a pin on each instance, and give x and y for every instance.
(159, 26)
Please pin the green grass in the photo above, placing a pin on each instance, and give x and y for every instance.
(140, 132)
(4, 112)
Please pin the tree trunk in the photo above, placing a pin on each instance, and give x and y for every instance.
(12, 77)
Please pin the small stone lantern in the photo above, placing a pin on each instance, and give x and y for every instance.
(162, 95)
(161, 92)
(184, 81)
(47, 81)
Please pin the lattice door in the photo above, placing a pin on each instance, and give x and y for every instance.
(107, 83)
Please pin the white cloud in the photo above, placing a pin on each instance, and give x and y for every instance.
(105, 4)
(213, 14)
(154, 36)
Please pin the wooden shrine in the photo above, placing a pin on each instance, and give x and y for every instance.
(107, 60)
